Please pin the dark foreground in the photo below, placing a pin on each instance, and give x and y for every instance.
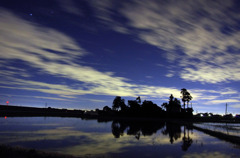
(19, 152)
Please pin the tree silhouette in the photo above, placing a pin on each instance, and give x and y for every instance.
(164, 106)
(118, 103)
(138, 99)
(186, 97)
(183, 92)
(106, 108)
(173, 106)
(171, 99)
(137, 108)
(134, 105)
(150, 109)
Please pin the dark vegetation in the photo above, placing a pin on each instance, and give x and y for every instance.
(168, 110)
(137, 108)
(9, 110)
(133, 109)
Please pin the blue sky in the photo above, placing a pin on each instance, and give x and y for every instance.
(81, 54)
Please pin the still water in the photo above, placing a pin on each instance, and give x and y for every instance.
(226, 128)
(90, 138)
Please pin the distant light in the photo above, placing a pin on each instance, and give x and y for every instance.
(30, 14)
(5, 117)
(7, 102)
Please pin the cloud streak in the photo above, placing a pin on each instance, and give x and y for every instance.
(27, 46)
(54, 53)
(195, 28)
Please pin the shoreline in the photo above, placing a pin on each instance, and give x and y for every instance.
(18, 111)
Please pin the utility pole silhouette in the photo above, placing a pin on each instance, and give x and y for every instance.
(226, 110)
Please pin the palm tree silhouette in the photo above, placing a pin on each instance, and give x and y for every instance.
(186, 97)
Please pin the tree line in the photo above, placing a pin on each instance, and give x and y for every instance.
(136, 107)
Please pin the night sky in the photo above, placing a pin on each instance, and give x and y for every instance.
(81, 54)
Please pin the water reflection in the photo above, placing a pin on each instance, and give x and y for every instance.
(173, 130)
(141, 128)
(119, 138)
(135, 128)
(187, 141)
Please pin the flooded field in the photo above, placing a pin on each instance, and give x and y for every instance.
(226, 128)
(90, 138)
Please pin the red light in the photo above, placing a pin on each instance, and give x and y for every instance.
(5, 117)
(7, 102)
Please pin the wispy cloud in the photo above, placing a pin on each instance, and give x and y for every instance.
(70, 7)
(57, 55)
(52, 98)
(235, 106)
(224, 101)
(208, 44)
(54, 53)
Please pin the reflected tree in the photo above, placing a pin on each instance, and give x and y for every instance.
(135, 128)
(187, 141)
(146, 128)
(118, 129)
(173, 130)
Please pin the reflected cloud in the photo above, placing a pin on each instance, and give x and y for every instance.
(208, 154)
(72, 141)
(80, 138)
(68, 139)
